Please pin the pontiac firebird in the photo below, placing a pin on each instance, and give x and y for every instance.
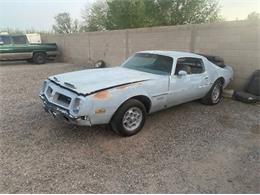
(123, 96)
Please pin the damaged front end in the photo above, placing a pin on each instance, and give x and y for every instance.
(62, 105)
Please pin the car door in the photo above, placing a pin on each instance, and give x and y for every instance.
(188, 81)
(199, 77)
(21, 48)
(5, 47)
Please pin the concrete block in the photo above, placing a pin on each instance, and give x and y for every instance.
(237, 42)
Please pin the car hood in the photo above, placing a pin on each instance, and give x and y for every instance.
(93, 80)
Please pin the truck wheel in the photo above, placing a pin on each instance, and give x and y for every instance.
(129, 118)
(214, 95)
(39, 58)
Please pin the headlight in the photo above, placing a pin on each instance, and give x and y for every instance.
(44, 86)
(76, 105)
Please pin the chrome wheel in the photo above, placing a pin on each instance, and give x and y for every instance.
(216, 93)
(132, 118)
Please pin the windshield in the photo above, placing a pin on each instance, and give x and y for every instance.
(5, 40)
(152, 63)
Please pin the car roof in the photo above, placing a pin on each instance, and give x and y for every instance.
(173, 54)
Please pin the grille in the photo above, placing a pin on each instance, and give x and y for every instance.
(64, 99)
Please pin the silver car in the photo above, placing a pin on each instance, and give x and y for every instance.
(123, 96)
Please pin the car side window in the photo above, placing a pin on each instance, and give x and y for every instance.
(190, 65)
(5, 40)
(19, 39)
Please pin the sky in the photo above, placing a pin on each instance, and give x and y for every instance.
(39, 14)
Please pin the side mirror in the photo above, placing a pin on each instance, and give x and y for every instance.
(1, 42)
(182, 73)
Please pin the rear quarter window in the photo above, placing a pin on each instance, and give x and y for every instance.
(190, 65)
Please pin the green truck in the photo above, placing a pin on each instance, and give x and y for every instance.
(17, 47)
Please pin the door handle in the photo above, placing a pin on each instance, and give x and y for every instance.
(206, 77)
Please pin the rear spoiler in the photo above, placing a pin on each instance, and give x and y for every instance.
(215, 60)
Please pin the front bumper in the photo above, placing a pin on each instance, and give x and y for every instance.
(63, 114)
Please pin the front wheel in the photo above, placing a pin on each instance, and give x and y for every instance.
(129, 118)
(214, 95)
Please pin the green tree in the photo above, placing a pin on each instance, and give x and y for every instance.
(126, 14)
(121, 14)
(64, 24)
(176, 12)
(254, 16)
(94, 17)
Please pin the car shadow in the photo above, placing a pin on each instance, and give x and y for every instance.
(8, 63)
(77, 133)
(71, 132)
(22, 62)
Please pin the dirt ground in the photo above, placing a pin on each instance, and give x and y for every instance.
(191, 148)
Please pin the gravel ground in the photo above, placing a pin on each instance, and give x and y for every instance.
(191, 148)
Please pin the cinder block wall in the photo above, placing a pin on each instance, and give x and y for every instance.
(237, 42)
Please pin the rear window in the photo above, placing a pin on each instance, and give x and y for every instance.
(19, 39)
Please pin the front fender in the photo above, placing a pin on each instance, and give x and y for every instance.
(105, 103)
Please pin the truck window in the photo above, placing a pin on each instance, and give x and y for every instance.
(21, 39)
(5, 40)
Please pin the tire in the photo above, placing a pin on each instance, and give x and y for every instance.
(129, 119)
(214, 95)
(245, 97)
(99, 64)
(39, 58)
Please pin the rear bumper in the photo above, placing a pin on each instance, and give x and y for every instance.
(63, 114)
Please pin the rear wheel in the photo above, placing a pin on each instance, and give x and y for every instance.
(129, 118)
(214, 95)
(39, 58)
